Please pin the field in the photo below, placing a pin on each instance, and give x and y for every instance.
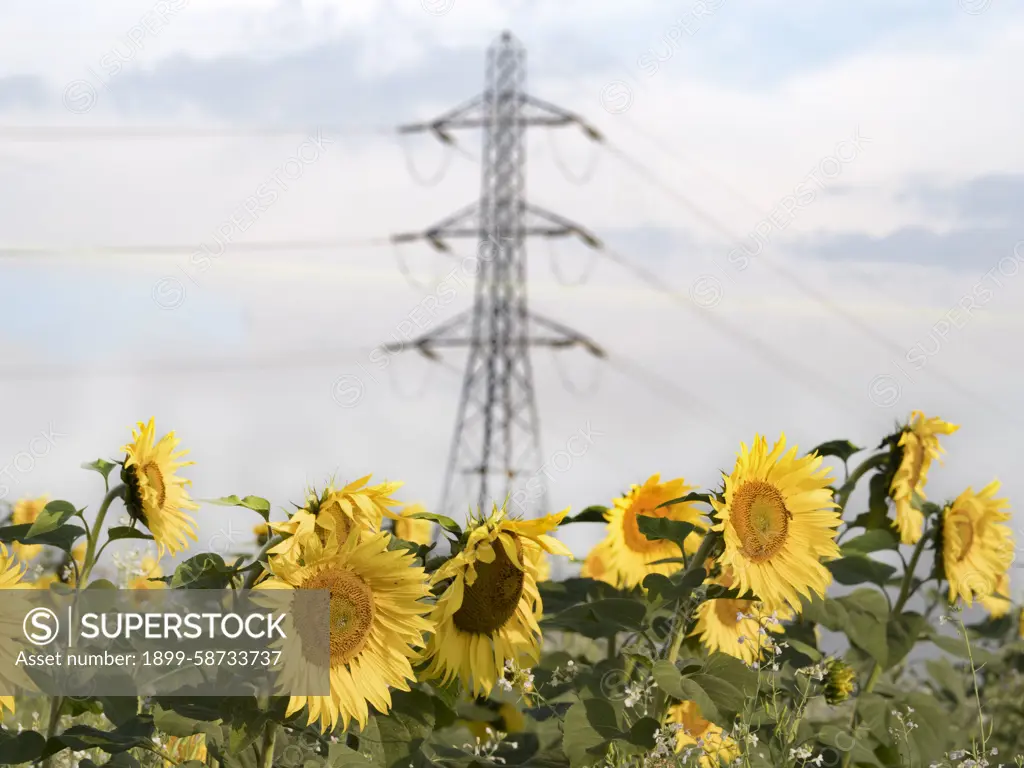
(765, 621)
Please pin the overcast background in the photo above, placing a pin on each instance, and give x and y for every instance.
(714, 115)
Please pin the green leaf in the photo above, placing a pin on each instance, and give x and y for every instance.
(204, 571)
(958, 647)
(902, 634)
(600, 618)
(53, 515)
(669, 679)
(126, 736)
(63, 537)
(867, 625)
(592, 514)
(102, 466)
(588, 724)
(342, 756)
(857, 569)
(445, 522)
(843, 449)
(867, 601)
(656, 528)
(692, 496)
(127, 532)
(255, 503)
(871, 541)
(23, 747)
(170, 722)
(100, 584)
(733, 671)
(119, 709)
(840, 740)
(806, 649)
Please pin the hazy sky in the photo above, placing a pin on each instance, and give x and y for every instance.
(866, 157)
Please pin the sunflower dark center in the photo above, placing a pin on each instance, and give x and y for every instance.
(155, 478)
(492, 600)
(761, 519)
(350, 618)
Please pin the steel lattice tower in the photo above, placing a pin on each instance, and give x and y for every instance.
(496, 446)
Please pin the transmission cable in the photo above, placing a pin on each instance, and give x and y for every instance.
(865, 329)
(567, 384)
(410, 166)
(589, 169)
(585, 276)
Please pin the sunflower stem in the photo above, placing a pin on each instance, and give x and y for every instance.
(843, 494)
(897, 608)
(269, 739)
(611, 647)
(702, 554)
(117, 492)
(56, 703)
(254, 574)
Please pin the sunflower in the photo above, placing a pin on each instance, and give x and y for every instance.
(840, 680)
(508, 720)
(737, 627)
(487, 615)
(919, 446)
(148, 569)
(339, 510)
(262, 533)
(155, 494)
(778, 520)
(183, 749)
(631, 554)
(25, 512)
(977, 548)
(595, 566)
(998, 603)
(11, 575)
(715, 747)
(376, 621)
(543, 564)
(414, 529)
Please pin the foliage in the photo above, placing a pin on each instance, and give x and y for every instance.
(690, 667)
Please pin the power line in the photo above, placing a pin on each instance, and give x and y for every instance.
(863, 328)
(56, 133)
(158, 249)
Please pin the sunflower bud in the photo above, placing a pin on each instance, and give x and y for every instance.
(840, 681)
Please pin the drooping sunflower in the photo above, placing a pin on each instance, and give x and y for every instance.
(919, 446)
(356, 507)
(998, 604)
(977, 545)
(735, 626)
(779, 521)
(26, 511)
(186, 748)
(376, 622)
(630, 554)
(11, 577)
(715, 747)
(487, 615)
(595, 566)
(414, 529)
(156, 495)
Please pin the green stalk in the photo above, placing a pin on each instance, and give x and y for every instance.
(709, 542)
(865, 466)
(905, 594)
(250, 578)
(269, 739)
(117, 492)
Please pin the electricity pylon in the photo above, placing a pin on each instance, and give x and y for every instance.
(496, 450)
